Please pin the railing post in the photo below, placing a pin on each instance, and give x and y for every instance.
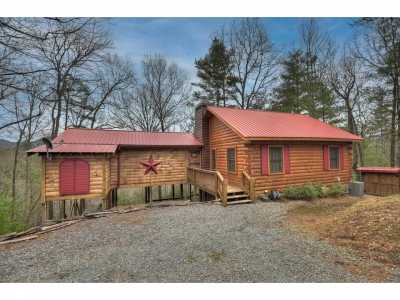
(252, 190)
(224, 195)
(216, 186)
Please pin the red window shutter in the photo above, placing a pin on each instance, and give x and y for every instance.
(286, 159)
(325, 149)
(74, 176)
(82, 177)
(341, 157)
(66, 177)
(264, 160)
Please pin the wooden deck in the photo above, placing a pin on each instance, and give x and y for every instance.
(214, 183)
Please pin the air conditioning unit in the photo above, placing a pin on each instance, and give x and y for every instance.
(356, 188)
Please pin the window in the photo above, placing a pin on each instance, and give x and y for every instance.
(334, 157)
(231, 159)
(213, 160)
(276, 159)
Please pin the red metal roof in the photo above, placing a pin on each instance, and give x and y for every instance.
(386, 170)
(82, 140)
(256, 124)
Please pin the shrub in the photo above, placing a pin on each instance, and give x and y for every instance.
(311, 191)
(304, 192)
(335, 190)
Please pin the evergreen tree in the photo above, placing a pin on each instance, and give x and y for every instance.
(217, 81)
(302, 91)
(290, 93)
(319, 99)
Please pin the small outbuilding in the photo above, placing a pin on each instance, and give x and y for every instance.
(380, 181)
(85, 164)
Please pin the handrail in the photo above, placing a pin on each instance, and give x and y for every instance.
(202, 170)
(249, 184)
(222, 188)
(211, 181)
(219, 175)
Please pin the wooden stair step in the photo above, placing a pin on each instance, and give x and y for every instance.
(239, 202)
(238, 196)
(236, 192)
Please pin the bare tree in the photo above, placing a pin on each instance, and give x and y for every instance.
(348, 80)
(255, 62)
(90, 98)
(28, 112)
(18, 37)
(66, 53)
(131, 110)
(379, 47)
(317, 46)
(166, 86)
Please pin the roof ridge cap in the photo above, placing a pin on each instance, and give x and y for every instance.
(260, 110)
(126, 130)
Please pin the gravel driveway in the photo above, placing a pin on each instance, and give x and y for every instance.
(196, 243)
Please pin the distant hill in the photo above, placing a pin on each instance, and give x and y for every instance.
(5, 144)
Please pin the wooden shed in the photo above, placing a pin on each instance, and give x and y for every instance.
(94, 163)
(380, 181)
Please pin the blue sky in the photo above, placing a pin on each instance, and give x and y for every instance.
(185, 39)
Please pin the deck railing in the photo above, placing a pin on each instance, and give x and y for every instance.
(249, 185)
(210, 181)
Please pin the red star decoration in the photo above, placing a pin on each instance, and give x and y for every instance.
(150, 165)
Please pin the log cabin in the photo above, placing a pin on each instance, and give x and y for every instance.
(233, 155)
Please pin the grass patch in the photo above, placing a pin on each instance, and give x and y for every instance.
(370, 227)
(190, 259)
(216, 256)
(7, 222)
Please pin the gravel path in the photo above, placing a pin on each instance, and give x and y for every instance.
(197, 243)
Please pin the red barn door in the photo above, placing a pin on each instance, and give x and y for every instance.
(74, 177)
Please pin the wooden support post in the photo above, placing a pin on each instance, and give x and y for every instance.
(173, 192)
(44, 212)
(182, 197)
(147, 194)
(72, 210)
(104, 202)
(190, 191)
(62, 209)
(116, 196)
(50, 210)
(111, 200)
(82, 206)
(151, 196)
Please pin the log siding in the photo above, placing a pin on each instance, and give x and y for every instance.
(221, 139)
(122, 169)
(306, 165)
